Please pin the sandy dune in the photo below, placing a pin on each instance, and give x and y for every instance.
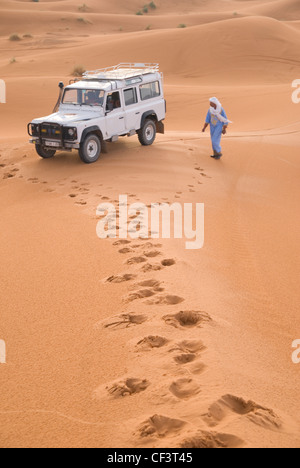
(144, 343)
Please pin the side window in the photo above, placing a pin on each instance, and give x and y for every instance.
(130, 96)
(113, 101)
(150, 90)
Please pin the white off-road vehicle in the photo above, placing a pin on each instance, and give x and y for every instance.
(103, 105)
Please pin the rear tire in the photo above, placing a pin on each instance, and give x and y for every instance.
(90, 149)
(44, 153)
(147, 133)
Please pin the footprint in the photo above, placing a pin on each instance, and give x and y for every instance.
(187, 319)
(185, 358)
(152, 283)
(124, 321)
(184, 388)
(148, 245)
(168, 262)
(142, 294)
(204, 439)
(151, 267)
(8, 175)
(189, 346)
(128, 387)
(150, 342)
(134, 260)
(160, 426)
(152, 254)
(197, 368)
(122, 242)
(167, 299)
(120, 278)
(257, 414)
(125, 250)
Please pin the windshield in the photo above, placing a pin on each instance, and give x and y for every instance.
(84, 97)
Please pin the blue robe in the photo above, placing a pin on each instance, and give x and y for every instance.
(216, 127)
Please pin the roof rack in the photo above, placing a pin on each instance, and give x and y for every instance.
(122, 71)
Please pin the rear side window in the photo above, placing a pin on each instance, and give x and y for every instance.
(130, 96)
(149, 90)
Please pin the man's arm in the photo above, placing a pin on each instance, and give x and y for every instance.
(205, 127)
(224, 131)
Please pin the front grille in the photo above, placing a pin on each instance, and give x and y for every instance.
(52, 131)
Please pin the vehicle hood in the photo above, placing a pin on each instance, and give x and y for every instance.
(68, 117)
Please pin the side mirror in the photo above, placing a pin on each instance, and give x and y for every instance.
(61, 85)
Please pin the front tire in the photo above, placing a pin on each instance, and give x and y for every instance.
(90, 149)
(44, 153)
(147, 133)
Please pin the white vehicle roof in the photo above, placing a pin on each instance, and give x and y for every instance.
(118, 76)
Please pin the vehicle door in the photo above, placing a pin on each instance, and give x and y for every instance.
(132, 109)
(114, 114)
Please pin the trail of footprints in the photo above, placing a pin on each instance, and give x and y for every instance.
(8, 170)
(184, 353)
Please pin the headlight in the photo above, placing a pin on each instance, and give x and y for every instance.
(34, 129)
(70, 133)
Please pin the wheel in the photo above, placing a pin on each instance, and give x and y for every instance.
(44, 153)
(90, 149)
(147, 133)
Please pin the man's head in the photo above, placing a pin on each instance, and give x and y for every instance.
(215, 104)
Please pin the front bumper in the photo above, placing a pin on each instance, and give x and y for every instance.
(54, 136)
(66, 146)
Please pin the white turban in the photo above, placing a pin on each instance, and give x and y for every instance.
(218, 110)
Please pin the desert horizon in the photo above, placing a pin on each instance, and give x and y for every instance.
(144, 343)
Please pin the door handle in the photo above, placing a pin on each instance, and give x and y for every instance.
(120, 118)
(137, 113)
